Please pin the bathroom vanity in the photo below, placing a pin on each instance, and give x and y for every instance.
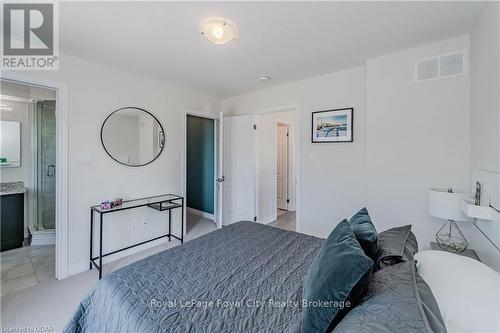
(11, 215)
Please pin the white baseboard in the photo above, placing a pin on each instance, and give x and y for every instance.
(43, 238)
(78, 268)
(200, 213)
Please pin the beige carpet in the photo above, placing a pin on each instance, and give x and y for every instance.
(51, 304)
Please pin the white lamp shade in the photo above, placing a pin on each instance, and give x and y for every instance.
(446, 205)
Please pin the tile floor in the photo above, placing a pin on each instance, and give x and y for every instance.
(26, 267)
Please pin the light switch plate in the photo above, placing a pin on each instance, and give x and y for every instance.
(82, 158)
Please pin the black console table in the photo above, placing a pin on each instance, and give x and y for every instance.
(165, 202)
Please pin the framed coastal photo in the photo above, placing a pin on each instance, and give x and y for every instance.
(332, 125)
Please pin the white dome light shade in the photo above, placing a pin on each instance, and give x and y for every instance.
(218, 32)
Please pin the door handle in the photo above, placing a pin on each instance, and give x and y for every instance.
(51, 170)
(221, 179)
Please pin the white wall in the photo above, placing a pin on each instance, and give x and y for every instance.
(485, 121)
(267, 163)
(407, 138)
(418, 136)
(10, 89)
(332, 184)
(94, 92)
(485, 90)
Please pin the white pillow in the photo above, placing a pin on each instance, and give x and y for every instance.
(466, 291)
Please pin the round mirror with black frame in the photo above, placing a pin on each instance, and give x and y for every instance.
(132, 136)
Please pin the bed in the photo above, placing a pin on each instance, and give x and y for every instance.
(246, 269)
(249, 277)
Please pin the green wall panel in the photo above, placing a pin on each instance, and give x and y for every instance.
(200, 163)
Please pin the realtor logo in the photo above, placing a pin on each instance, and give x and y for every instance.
(30, 38)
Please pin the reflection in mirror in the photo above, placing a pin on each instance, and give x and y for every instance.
(10, 143)
(132, 136)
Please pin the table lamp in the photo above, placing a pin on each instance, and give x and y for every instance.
(445, 204)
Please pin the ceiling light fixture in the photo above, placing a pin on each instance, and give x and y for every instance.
(218, 31)
(264, 78)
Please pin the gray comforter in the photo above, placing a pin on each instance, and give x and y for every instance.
(246, 270)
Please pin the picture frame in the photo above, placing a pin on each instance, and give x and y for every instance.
(332, 126)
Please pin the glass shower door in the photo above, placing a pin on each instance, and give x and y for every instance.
(46, 164)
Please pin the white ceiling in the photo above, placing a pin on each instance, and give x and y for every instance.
(289, 41)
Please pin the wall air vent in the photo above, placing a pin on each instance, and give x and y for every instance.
(443, 66)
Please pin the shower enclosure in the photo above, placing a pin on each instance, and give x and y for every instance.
(45, 119)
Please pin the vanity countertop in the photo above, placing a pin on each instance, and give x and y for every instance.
(12, 188)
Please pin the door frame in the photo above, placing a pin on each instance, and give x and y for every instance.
(215, 118)
(62, 157)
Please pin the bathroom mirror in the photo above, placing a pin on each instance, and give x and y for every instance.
(132, 136)
(10, 144)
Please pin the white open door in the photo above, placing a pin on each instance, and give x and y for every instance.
(282, 166)
(238, 169)
(220, 172)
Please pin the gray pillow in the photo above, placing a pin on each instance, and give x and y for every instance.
(336, 279)
(396, 300)
(396, 245)
(365, 232)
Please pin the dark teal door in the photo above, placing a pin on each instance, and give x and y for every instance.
(200, 163)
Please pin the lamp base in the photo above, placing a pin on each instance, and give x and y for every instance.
(450, 238)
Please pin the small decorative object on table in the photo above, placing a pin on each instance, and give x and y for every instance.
(445, 204)
(112, 203)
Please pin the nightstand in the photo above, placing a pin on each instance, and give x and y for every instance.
(466, 253)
